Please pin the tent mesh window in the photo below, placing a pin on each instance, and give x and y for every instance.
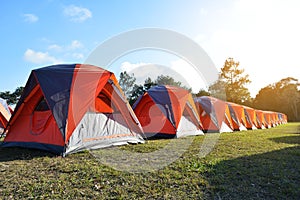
(42, 105)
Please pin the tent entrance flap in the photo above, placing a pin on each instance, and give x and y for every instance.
(186, 127)
(39, 121)
(99, 130)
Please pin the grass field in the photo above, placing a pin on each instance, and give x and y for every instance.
(258, 164)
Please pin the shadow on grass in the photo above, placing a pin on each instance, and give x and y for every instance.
(16, 153)
(294, 139)
(272, 175)
(287, 139)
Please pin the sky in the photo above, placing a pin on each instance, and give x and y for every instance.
(262, 35)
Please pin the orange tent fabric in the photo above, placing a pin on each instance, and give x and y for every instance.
(69, 108)
(241, 116)
(214, 114)
(251, 119)
(167, 111)
(261, 119)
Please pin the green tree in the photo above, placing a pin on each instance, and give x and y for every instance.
(132, 90)
(7, 95)
(282, 96)
(217, 90)
(148, 84)
(12, 98)
(127, 83)
(266, 99)
(139, 90)
(167, 80)
(17, 94)
(202, 92)
(232, 81)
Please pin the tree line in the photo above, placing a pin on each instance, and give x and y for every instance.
(132, 90)
(231, 85)
(282, 96)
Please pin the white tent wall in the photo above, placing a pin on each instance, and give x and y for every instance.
(253, 127)
(98, 130)
(242, 127)
(225, 128)
(4, 109)
(186, 127)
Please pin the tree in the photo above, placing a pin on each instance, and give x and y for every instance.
(7, 96)
(217, 90)
(202, 92)
(139, 90)
(12, 98)
(127, 83)
(132, 90)
(167, 80)
(290, 100)
(17, 94)
(282, 96)
(232, 81)
(148, 83)
(266, 99)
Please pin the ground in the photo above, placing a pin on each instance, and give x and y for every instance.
(258, 164)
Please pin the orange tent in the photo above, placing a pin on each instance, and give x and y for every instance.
(271, 118)
(214, 114)
(274, 118)
(268, 119)
(167, 112)
(282, 118)
(240, 115)
(261, 119)
(69, 108)
(251, 118)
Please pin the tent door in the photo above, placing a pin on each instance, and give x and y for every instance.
(39, 121)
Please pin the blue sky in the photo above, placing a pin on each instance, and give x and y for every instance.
(262, 35)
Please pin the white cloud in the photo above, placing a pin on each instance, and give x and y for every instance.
(55, 47)
(191, 76)
(70, 51)
(39, 57)
(78, 55)
(77, 14)
(30, 18)
(143, 71)
(75, 45)
(179, 69)
(127, 66)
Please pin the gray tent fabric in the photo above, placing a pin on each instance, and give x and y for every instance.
(99, 130)
(186, 127)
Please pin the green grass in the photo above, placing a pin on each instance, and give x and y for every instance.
(259, 164)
